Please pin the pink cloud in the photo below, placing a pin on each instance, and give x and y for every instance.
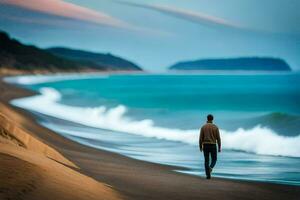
(41, 21)
(196, 17)
(68, 10)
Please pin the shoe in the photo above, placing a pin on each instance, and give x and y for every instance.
(208, 177)
(210, 170)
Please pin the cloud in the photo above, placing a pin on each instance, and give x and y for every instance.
(39, 21)
(57, 13)
(67, 10)
(196, 17)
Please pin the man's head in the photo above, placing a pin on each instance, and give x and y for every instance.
(210, 118)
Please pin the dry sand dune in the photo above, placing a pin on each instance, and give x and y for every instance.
(30, 169)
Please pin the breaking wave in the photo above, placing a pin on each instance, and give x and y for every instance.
(259, 140)
(36, 79)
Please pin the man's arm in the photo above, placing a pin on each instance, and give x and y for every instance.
(218, 140)
(201, 139)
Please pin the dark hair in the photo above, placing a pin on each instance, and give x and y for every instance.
(210, 117)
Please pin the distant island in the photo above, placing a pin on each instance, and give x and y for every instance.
(243, 64)
(18, 58)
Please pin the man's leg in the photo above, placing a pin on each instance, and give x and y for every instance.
(206, 161)
(213, 156)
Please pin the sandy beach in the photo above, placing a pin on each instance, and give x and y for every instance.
(37, 163)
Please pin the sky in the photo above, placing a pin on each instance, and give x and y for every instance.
(158, 33)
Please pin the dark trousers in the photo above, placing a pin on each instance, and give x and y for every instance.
(209, 150)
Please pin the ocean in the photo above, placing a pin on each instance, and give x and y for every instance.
(156, 118)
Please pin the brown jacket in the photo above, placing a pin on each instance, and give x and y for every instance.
(209, 134)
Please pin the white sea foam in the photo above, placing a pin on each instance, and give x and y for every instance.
(258, 140)
(36, 79)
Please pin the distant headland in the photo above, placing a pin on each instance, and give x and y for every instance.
(18, 58)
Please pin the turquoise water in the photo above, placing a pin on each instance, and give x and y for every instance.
(157, 117)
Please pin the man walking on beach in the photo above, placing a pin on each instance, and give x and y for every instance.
(209, 137)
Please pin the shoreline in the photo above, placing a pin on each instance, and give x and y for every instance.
(30, 167)
(154, 181)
